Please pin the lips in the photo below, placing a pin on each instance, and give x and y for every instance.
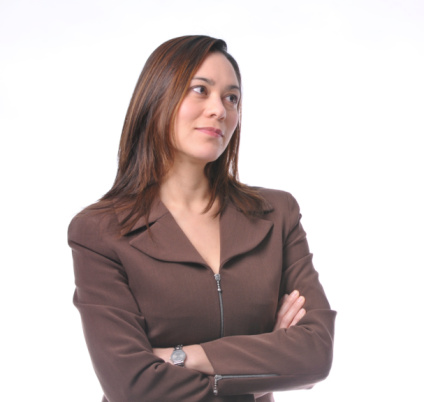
(214, 132)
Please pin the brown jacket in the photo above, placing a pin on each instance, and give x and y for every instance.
(146, 290)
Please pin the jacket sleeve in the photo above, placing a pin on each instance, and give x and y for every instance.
(284, 359)
(115, 330)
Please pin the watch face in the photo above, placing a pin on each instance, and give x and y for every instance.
(178, 355)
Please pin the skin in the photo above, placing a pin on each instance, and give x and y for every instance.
(211, 103)
(204, 125)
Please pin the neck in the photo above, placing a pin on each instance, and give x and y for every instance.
(185, 187)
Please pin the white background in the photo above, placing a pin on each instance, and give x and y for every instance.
(333, 113)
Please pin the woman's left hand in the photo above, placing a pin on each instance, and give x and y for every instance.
(291, 310)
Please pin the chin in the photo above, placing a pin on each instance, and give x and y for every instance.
(202, 156)
(207, 157)
(211, 158)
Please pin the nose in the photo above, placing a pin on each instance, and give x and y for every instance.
(216, 108)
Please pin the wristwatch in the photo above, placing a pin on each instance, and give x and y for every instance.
(178, 356)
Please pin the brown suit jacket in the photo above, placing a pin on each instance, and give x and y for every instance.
(144, 290)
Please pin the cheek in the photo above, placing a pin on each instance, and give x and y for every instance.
(232, 120)
(188, 112)
(231, 126)
(182, 120)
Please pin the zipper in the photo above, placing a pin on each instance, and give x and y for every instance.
(234, 376)
(221, 306)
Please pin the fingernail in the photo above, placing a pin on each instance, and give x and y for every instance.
(295, 293)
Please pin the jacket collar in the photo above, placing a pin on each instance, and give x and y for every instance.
(167, 242)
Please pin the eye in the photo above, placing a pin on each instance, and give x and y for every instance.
(232, 98)
(200, 89)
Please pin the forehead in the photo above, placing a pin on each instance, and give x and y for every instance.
(217, 67)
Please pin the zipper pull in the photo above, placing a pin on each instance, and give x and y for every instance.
(218, 282)
(215, 384)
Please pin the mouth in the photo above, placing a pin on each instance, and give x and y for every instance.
(212, 131)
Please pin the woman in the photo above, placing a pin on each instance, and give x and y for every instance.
(192, 286)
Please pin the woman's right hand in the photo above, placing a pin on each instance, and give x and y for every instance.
(291, 310)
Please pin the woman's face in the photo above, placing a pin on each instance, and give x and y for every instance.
(208, 115)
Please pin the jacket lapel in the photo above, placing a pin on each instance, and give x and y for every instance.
(240, 233)
(167, 242)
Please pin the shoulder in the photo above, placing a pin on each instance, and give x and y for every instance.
(93, 225)
(283, 209)
(279, 200)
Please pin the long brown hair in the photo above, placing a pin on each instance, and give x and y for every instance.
(146, 152)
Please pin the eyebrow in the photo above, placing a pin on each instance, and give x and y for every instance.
(212, 82)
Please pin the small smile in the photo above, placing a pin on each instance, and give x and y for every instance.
(214, 132)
